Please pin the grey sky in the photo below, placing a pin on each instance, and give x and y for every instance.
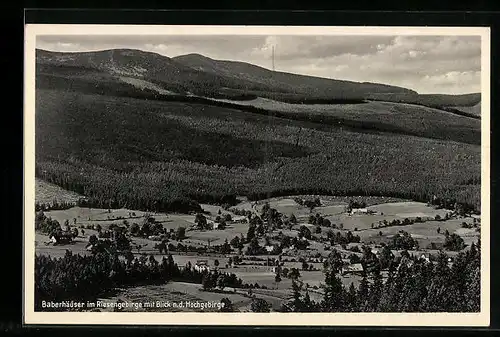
(427, 64)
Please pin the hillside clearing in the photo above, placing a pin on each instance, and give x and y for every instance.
(47, 193)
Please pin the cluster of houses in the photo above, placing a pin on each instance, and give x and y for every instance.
(201, 266)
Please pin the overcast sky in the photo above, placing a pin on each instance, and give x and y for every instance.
(427, 64)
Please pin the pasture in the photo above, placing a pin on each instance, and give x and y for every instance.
(181, 292)
(104, 217)
(424, 233)
(387, 212)
(217, 237)
(56, 251)
(330, 205)
(408, 209)
(176, 292)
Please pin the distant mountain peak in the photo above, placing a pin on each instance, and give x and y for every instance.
(194, 55)
(194, 70)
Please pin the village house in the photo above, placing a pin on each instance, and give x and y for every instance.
(269, 249)
(358, 211)
(61, 238)
(425, 258)
(355, 268)
(211, 224)
(240, 219)
(201, 266)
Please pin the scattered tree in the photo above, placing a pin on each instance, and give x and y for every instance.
(260, 305)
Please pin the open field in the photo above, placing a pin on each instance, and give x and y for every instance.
(388, 212)
(475, 109)
(180, 292)
(425, 233)
(434, 100)
(218, 236)
(408, 210)
(402, 117)
(47, 193)
(177, 292)
(77, 247)
(331, 205)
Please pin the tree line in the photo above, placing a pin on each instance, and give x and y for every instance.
(111, 266)
(411, 285)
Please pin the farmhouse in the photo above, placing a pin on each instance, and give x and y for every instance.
(425, 258)
(269, 249)
(355, 268)
(201, 266)
(359, 211)
(61, 238)
(476, 218)
(239, 219)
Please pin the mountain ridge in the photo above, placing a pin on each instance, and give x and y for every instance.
(196, 74)
(217, 74)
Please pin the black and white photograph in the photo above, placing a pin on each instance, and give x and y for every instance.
(203, 175)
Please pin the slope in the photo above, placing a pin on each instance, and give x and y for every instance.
(203, 76)
(149, 154)
(431, 100)
(473, 110)
(292, 83)
(392, 117)
(148, 66)
(365, 117)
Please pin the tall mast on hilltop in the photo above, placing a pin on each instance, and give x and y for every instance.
(273, 58)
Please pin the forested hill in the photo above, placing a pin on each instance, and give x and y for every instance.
(197, 74)
(125, 127)
(201, 75)
(287, 82)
